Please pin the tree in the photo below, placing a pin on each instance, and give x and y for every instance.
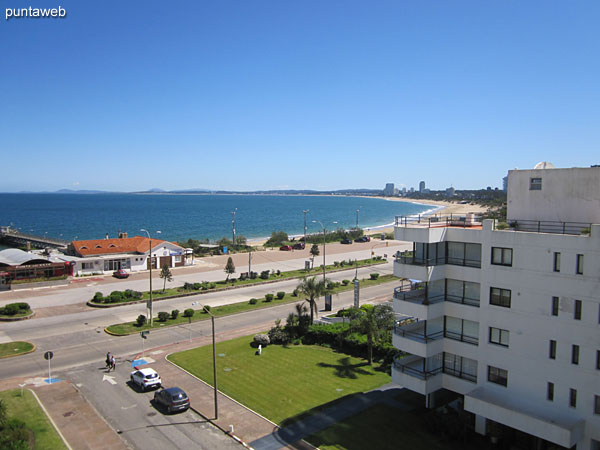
(312, 289)
(373, 322)
(314, 251)
(240, 241)
(229, 268)
(165, 274)
(277, 238)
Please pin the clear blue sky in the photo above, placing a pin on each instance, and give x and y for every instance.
(244, 95)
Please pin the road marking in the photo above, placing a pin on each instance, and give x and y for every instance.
(110, 379)
(129, 407)
(157, 352)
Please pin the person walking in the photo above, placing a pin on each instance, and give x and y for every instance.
(108, 360)
(113, 364)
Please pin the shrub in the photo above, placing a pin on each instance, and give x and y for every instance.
(188, 312)
(253, 275)
(265, 274)
(116, 296)
(243, 276)
(141, 320)
(23, 306)
(98, 297)
(278, 272)
(269, 297)
(345, 282)
(374, 276)
(212, 286)
(295, 293)
(197, 286)
(280, 295)
(253, 301)
(10, 310)
(262, 339)
(501, 226)
(174, 314)
(336, 263)
(207, 309)
(277, 335)
(136, 294)
(163, 316)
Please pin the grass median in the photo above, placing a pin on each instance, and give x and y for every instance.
(127, 328)
(15, 348)
(283, 382)
(27, 409)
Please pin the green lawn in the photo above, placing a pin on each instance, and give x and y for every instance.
(28, 410)
(381, 427)
(284, 381)
(15, 348)
(123, 329)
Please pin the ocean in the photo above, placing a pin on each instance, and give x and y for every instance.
(179, 217)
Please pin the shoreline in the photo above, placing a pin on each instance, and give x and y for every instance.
(438, 207)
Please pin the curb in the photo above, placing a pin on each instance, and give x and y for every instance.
(16, 319)
(50, 419)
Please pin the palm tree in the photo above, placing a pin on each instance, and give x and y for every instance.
(373, 322)
(312, 289)
(165, 273)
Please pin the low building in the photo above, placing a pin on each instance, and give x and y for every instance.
(131, 254)
(16, 264)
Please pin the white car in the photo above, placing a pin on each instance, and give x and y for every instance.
(145, 379)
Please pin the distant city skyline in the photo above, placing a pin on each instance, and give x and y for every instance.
(266, 95)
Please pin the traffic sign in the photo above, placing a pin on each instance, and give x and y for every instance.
(48, 355)
(145, 334)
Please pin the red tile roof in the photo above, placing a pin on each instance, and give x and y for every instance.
(137, 244)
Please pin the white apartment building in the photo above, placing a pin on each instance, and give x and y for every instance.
(509, 318)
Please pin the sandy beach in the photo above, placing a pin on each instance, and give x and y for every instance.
(445, 207)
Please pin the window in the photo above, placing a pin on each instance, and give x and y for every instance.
(552, 351)
(575, 354)
(555, 306)
(502, 256)
(535, 184)
(178, 259)
(596, 404)
(577, 310)
(497, 375)
(573, 398)
(500, 297)
(550, 392)
(556, 262)
(498, 336)
(579, 265)
(87, 265)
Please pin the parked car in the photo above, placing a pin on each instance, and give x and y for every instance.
(299, 246)
(363, 239)
(145, 378)
(172, 399)
(120, 273)
(346, 241)
(285, 248)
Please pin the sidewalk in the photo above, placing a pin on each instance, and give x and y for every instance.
(78, 421)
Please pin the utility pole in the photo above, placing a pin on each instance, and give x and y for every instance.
(249, 263)
(216, 389)
(357, 218)
(151, 264)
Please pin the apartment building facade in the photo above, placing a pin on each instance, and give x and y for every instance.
(509, 318)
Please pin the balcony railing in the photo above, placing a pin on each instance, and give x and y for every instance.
(461, 337)
(460, 374)
(408, 257)
(415, 368)
(417, 293)
(545, 226)
(462, 300)
(416, 334)
(439, 220)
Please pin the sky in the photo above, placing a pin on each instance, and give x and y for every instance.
(248, 95)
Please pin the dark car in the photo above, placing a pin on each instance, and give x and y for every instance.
(299, 246)
(285, 248)
(346, 241)
(172, 399)
(363, 239)
(120, 274)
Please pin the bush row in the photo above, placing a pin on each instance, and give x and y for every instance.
(117, 296)
(12, 309)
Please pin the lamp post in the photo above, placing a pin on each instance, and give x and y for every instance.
(357, 217)
(324, 233)
(305, 211)
(233, 227)
(216, 390)
(151, 264)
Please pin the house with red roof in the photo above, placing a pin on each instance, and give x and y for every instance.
(128, 253)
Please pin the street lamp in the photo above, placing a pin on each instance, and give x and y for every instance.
(357, 216)
(324, 233)
(151, 264)
(233, 227)
(216, 390)
(305, 211)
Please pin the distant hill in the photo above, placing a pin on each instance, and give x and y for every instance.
(209, 191)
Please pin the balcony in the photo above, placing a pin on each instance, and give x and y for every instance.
(413, 300)
(413, 373)
(412, 337)
(546, 226)
(440, 221)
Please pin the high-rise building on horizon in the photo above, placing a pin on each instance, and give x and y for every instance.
(421, 186)
(508, 317)
(388, 191)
